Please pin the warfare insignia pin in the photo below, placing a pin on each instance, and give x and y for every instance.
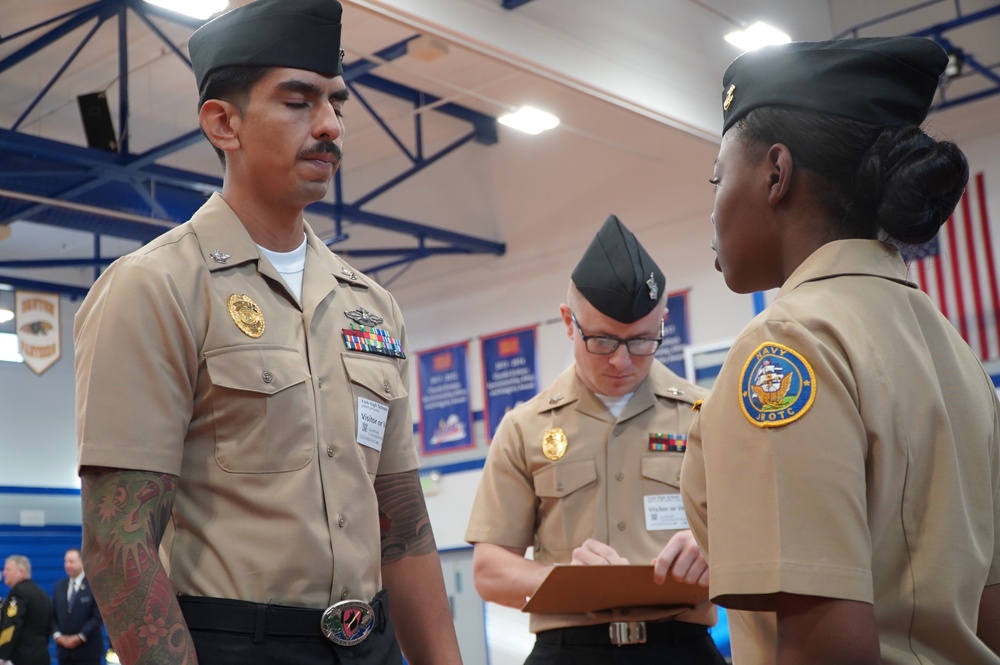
(654, 289)
(368, 339)
(246, 315)
(729, 97)
(777, 386)
(364, 317)
(219, 256)
(676, 392)
(555, 399)
(554, 444)
(350, 274)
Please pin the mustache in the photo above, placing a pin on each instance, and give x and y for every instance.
(322, 147)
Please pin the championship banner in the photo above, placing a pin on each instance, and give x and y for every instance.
(37, 323)
(445, 412)
(510, 374)
(676, 333)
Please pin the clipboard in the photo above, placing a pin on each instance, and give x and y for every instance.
(577, 589)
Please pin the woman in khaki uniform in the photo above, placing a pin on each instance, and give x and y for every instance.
(844, 475)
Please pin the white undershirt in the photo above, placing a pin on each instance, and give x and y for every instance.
(291, 265)
(615, 404)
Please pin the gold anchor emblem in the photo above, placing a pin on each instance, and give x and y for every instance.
(729, 97)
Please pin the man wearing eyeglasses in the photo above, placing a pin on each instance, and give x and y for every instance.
(586, 471)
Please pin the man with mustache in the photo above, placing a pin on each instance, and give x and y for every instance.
(250, 492)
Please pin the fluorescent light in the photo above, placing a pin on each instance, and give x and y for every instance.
(8, 349)
(529, 120)
(6, 315)
(201, 9)
(757, 35)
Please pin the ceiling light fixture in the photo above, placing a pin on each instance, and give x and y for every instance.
(529, 120)
(6, 315)
(757, 35)
(200, 9)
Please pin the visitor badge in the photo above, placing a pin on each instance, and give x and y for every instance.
(664, 512)
(371, 422)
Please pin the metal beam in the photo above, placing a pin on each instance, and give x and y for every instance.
(513, 4)
(37, 285)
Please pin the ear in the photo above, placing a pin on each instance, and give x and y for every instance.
(220, 120)
(566, 314)
(779, 165)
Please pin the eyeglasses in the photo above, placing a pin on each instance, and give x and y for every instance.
(603, 345)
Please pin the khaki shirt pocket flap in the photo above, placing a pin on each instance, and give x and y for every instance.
(380, 377)
(256, 368)
(563, 478)
(664, 468)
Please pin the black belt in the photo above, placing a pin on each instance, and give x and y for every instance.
(260, 620)
(659, 632)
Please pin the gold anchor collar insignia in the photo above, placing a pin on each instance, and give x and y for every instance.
(246, 315)
(729, 97)
(554, 443)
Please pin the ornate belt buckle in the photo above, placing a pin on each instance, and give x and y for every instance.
(348, 622)
(627, 632)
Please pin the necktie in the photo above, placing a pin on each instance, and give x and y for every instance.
(72, 592)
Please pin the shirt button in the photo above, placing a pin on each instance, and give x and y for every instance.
(341, 521)
(385, 384)
(329, 451)
(617, 432)
(266, 376)
(620, 476)
(559, 487)
(345, 593)
(319, 383)
(621, 526)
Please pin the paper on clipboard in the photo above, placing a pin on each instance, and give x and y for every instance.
(575, 589)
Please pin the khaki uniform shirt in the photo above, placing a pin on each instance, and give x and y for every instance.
(275, 501)
(879, 479)
(595, 490)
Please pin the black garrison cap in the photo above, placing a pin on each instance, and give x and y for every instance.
(617, 276)
(301, 34)
(878, 80)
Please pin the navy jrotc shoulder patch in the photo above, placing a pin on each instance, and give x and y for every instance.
(777, 386)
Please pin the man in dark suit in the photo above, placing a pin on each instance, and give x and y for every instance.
(76, 621)
(24, 616)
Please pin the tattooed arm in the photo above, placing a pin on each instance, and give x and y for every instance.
(411, 572)
(124, 515)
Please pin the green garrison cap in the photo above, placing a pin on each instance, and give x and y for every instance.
(617, 276)
(878, 80)
(301, 34)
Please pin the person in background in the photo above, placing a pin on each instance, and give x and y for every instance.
(76, 620)
(588, 469)
(843, 478)
(25, 616)
(242, 397)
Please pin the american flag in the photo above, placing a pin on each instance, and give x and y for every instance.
(958, 270)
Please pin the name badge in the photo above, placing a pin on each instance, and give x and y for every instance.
(371, 422)
(664, 512)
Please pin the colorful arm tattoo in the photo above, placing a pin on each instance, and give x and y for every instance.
(403, 520)
(124, 516)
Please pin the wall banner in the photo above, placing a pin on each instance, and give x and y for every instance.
(510, 374)
(37, 323)
(676, 333)
(445, 412)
